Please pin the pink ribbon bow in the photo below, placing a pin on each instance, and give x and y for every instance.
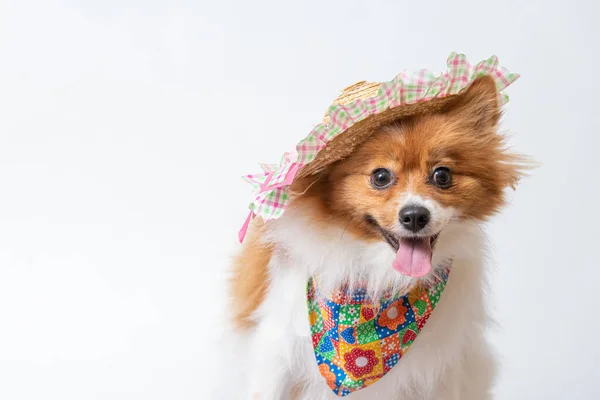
(289, 178)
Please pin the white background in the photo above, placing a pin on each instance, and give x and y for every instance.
(124, 128)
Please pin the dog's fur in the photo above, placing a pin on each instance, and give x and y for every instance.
(328, 230)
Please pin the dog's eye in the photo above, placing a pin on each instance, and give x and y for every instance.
(442, 177)
(381, 178)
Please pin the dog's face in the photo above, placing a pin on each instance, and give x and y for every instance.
(410, 180)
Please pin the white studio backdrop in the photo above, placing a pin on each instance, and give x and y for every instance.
(125, 126)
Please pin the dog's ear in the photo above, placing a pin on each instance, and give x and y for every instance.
(315, 184)
(302, 185)
(478, 107)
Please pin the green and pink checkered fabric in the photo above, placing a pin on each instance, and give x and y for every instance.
(271, 186)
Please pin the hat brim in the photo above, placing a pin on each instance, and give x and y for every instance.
(345, 144)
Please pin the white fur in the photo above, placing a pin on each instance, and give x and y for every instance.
(450, 358)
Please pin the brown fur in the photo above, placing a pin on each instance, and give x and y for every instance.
(250, 277)
(462, 137)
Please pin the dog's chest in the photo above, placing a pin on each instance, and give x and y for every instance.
(453, 328)
(289, 310)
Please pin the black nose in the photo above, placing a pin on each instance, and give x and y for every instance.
(414, 218)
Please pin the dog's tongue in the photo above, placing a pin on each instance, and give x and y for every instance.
(413, 257)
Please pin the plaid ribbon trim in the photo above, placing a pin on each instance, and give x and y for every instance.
(270, 186)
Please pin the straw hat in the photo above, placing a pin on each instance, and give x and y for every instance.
(345, 144)
(355, 115)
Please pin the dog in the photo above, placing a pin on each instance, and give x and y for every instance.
(406, 204)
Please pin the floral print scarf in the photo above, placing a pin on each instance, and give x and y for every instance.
(356, 340)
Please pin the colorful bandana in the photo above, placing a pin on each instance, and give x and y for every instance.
(357, 341)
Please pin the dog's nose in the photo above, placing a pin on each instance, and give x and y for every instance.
(414, 218)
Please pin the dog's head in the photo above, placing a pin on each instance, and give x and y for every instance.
(412, 179)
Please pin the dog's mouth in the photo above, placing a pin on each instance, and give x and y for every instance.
(413, 254)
